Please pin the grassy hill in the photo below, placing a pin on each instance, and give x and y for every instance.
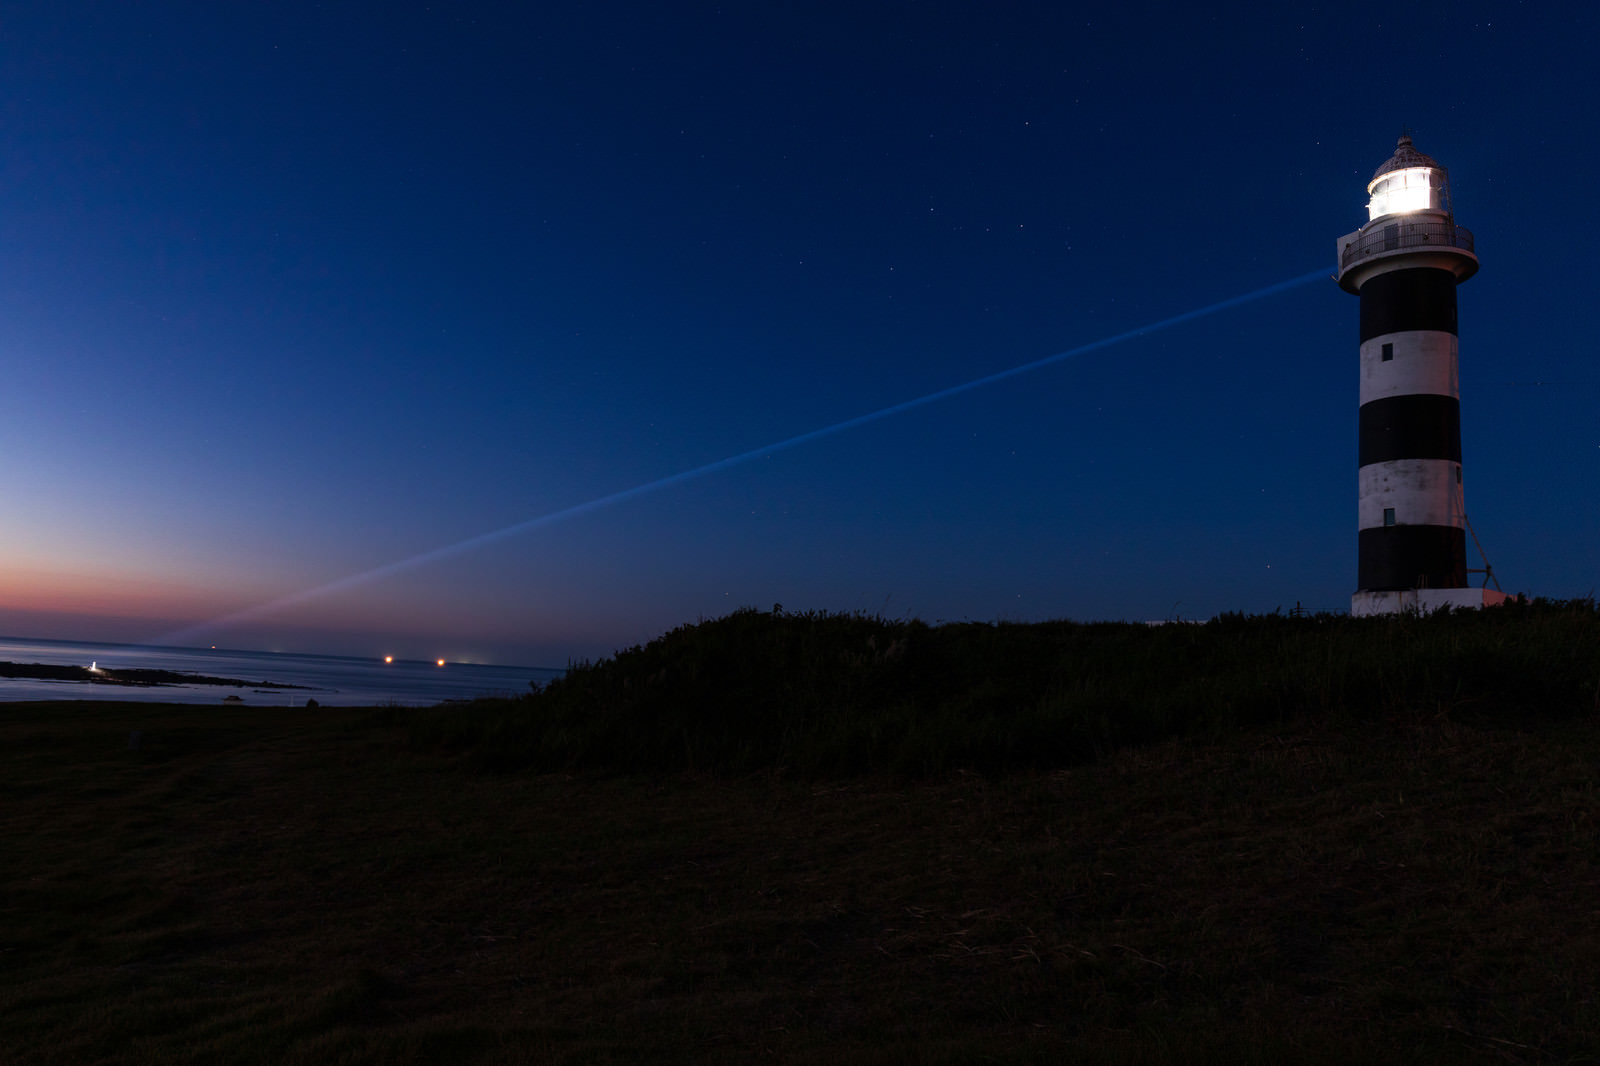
(820, 694)
(827, 839)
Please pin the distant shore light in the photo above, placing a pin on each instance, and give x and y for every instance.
(388, 658)
(439, 662)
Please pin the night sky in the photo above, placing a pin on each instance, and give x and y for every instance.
(309, 313)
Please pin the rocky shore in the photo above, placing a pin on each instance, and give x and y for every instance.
(137, 677)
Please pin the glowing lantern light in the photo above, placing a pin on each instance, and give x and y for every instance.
(1410, 181)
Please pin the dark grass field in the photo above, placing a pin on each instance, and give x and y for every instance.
(1414, 879)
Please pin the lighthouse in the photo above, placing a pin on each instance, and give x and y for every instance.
(1405, 264)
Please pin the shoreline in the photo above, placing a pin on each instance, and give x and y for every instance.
(131, 677)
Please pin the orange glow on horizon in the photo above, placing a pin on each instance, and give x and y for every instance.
(111, 594)
(90, 602)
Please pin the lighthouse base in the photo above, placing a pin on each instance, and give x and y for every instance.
(1422, 601)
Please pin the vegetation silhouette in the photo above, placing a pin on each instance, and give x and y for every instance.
(819, 694)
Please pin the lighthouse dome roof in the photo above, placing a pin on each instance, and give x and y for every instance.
(1405, 156)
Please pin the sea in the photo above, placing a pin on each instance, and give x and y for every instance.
(331, 680)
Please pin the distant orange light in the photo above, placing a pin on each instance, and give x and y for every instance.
(388, 658)
(439, 662)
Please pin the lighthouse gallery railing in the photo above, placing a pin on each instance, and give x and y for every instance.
(1394, 236)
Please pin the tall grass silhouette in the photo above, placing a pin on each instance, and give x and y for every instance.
(823, 694)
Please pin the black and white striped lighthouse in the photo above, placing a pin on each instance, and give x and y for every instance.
(1405, 264)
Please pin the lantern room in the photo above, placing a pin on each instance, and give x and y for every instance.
(1408, 181)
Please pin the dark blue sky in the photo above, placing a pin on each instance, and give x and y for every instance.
(293, 294)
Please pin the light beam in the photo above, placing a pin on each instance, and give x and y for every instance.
(460, 547)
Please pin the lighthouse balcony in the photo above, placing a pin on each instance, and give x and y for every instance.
(1365, 252)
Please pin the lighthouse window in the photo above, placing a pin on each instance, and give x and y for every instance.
(1388, 516)
(1388, 352)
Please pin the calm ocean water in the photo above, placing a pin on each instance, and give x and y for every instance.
(332, 680)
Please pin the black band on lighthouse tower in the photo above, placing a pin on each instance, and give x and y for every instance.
(1419, 298)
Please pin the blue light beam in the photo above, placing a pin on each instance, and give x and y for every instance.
(483, 540)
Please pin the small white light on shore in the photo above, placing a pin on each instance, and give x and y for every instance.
(388, 658)
(439, 662)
